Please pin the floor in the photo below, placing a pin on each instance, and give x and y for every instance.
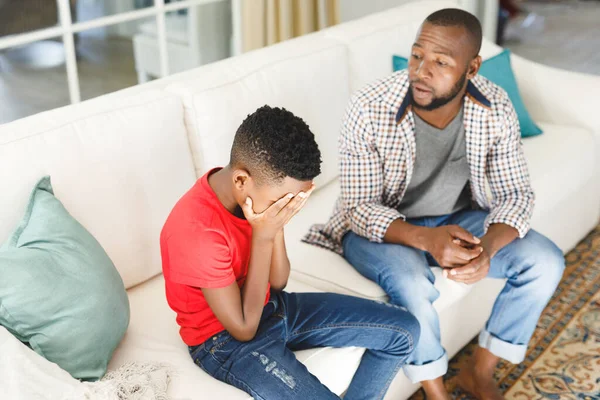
(560, 33)
(104, 65)
(563, 357)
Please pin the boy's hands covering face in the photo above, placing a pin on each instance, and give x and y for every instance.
(267, 224)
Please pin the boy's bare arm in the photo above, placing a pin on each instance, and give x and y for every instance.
(239, 310)
(280, 264)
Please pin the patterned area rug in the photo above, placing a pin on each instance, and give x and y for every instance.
(563, 358)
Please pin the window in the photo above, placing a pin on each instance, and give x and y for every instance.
(59, 52)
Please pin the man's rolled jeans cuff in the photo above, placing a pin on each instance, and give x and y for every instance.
(513, 353)
(427, 372)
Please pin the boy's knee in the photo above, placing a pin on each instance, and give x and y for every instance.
(409, 332)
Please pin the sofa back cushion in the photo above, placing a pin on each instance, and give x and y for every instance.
(308, 76)
(118, 164)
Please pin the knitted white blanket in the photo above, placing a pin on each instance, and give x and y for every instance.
(26, 375)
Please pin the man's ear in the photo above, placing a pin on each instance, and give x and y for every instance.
(474, 66)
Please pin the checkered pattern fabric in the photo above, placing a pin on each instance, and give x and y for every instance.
(377, 152)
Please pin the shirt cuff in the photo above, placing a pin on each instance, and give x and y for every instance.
(521, 224)
(379, 222)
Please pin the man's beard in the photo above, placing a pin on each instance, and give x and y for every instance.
(438, 102)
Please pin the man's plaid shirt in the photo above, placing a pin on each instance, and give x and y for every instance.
(377, 154)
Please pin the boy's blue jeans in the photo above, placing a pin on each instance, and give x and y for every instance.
(533, 267)
(266, 368)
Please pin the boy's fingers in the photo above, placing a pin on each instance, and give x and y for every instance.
(280, 204)
(301, 205)
(293, 204)
(294, 209)
(304, 196)
(247, 208)
(290, 208)
(300, 200)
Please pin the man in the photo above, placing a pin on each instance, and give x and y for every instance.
(416, 150)
(225, 266)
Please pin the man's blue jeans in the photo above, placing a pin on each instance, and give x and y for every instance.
(266, 368)
(533, 266)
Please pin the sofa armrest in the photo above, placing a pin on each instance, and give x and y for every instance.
(558, 96)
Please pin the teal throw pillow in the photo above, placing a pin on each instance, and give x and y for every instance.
(399, 63)
(498, 70)
(59, 291)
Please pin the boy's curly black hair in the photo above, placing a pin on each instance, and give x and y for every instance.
(273, 143)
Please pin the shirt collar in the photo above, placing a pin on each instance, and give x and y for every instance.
(473, 93)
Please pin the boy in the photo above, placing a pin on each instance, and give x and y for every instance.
(225, 267)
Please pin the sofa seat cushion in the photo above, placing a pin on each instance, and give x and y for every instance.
(153, 336)
(560, 161)
(563, 163)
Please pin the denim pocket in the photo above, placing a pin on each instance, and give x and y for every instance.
(198, 354)
(195, 350)
(221, 346)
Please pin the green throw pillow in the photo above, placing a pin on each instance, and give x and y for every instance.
(59, 291)
(498, 70)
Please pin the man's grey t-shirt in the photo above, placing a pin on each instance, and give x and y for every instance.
(439, 183)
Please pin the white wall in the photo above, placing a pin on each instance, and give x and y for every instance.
(485, 10)
(353, 9)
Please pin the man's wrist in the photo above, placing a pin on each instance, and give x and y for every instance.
(498, 236)
(488, 246)
(420, 235)
(407, 234)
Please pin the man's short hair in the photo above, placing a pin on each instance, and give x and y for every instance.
(461, 18)
(272, 143)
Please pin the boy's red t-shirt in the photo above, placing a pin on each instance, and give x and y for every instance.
(202, 245)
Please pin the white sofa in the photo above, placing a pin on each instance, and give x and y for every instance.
(120, 162)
